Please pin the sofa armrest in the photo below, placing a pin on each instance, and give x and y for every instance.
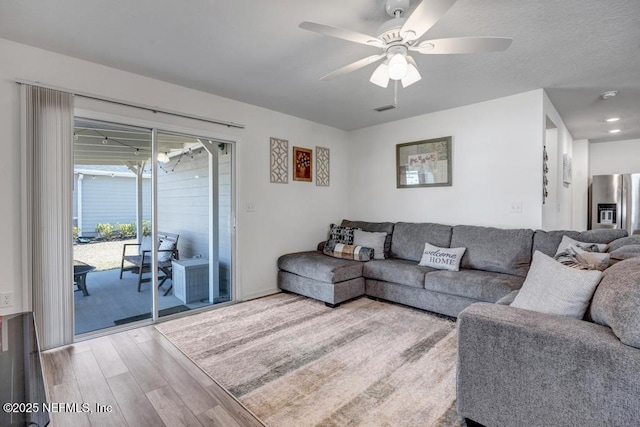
(518, 367)
(508, 298)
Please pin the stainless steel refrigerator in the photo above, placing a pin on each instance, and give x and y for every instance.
(614, 202)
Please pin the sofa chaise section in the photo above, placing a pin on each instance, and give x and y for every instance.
(318, 276)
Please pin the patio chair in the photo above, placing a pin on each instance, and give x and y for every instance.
(141, 262)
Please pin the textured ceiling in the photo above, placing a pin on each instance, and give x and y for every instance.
(253, 51)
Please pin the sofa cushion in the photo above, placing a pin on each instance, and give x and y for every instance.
(474, 284)
(316, 265)
(409, 239)
(494, 249)
(547, 242)
(623, 241)
(441, 258)
(398, 271)
(616, 301)
(371, 239)
(387, 227)
(354, 252)
(553, 288)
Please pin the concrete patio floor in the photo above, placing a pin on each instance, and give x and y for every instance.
(111, 299)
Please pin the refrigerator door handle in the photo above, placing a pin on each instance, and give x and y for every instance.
(623, 202)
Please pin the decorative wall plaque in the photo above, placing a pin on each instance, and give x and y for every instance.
(279, 161)
(322, 167)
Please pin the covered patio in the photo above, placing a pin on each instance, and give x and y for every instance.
(191, 200)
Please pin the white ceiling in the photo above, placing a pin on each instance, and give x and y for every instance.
(253, 51)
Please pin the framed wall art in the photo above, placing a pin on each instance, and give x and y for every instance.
(566, 169)
(424, 163)
(302, 164)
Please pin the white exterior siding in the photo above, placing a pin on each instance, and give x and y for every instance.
(107, 199)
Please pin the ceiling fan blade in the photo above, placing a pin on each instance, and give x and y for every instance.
(463, 45)
(424, 16)
(341, 33)
(354, 66)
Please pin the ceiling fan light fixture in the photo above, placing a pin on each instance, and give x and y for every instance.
(398, 67)
(413, 75)
(380, 76)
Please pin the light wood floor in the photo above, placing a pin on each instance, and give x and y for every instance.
(144, 378)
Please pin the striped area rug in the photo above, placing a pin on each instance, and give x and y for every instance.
(294, 362)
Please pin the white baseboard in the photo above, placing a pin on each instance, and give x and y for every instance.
(263, 293)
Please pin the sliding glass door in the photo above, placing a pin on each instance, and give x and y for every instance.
(148, 243)
(111, 218)
(194, 205)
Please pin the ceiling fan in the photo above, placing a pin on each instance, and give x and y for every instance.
(401, 35)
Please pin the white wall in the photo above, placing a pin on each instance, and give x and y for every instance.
(497, 160)
(550, 206)
(286, 217)
(614, 157)
(580, 184)
(564, 192)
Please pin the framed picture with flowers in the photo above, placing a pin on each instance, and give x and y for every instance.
(424, 163)
(302, 162)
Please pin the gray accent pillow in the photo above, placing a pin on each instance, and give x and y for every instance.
(625, 241)
(494, 249)
(625, 252)
(616, 301)
(441, 258)
(553, 288)
(387, 227)
(371, 239)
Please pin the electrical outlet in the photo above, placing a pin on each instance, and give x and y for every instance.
(6, 299)
(516, 207)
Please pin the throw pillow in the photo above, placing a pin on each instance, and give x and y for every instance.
(341, 234)
(168, 246)
(371, 239)
(441, 258)
(624, 241)
(589, 247)
(625, 252)
(616, 301)
(340, 250)
(553, 288)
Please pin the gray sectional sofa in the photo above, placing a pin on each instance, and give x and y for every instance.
(515, 367)
(495, 263)
(523, 368)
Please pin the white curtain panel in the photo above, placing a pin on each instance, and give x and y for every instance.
(47, 118)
